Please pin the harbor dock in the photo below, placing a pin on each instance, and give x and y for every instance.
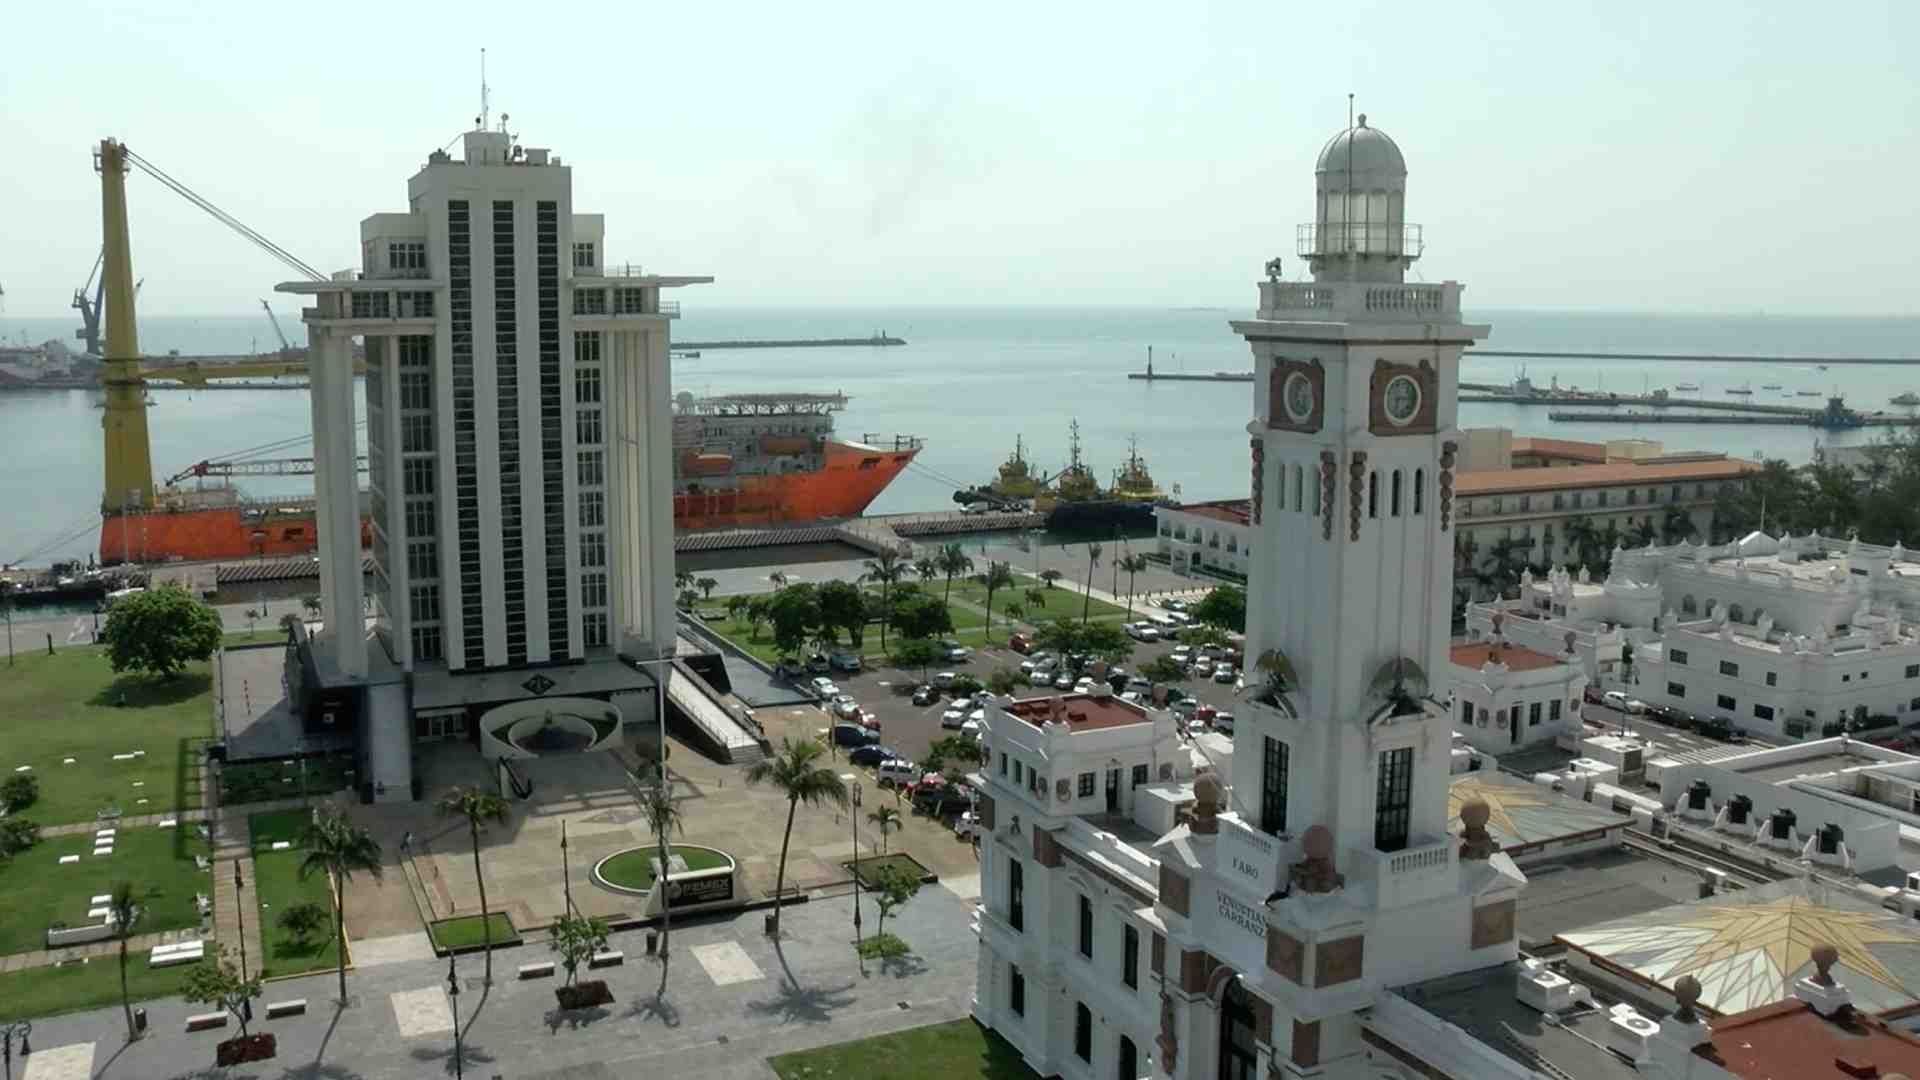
(1716, 358)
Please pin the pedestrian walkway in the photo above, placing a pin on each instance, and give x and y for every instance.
(135, 821)
(137, 947)
(227, 912)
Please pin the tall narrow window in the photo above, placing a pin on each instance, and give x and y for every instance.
(1373, 494)
(1273, 786)
(1299, 482)
(1016, 894)
(1280, 487)
(1393, 800)
(1130, 957)
(1016, 990)
(1086, 928)
(1394, 503)
(1316, 500)
(1419, 491)
(1082, 1033)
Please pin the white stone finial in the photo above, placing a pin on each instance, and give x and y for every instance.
(1363, 119)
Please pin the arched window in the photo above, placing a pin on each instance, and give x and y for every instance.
(1280, 487)
(1128, 1067)
(1394, 503)
(1735, 613)
(1299, 481)
(1687, 606)
(1373, 494)
(1419, 491)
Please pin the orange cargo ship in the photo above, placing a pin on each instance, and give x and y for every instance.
(739, 460)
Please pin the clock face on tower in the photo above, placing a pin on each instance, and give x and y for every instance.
(1299, 397)
(1296, 395)
(1401, 400)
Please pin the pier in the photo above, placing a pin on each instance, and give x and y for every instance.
(1218, 376)
(1483, 392)
(877, 341)
(1717, 358)
(1809, 418)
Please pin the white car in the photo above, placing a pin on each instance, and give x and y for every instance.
(953, 717)
(1183, 653)
(845, 707)
(1222, 722)
(1224, 674)
(1040, 678)
(1131, 697)
(1142, 632)
(898, 771)
(1202, 669)
(1064, 682)
(966, 825)
(824, 687)
(972, 727)
(944, 679)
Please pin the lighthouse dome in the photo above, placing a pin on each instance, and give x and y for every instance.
(1367, 153)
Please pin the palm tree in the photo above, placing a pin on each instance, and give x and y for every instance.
(706, 585)
(926, 568)
(779, 579)
(1093, 560)
(682, 579)
(478, 806)
(886, 819)
(796, 770)
(998, 576)
(663, 817)
(952, 560)
(1132, 564)
(337, 847)
(886, 567)
(1037, 599)
(1016, 611)
(123, 912)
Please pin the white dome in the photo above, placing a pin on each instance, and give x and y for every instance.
(1374, 159)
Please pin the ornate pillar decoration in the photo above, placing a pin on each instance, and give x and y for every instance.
(1356, 479)
(1259, 469)
(1446, 483)
(1327, 465)
(1169, 1040)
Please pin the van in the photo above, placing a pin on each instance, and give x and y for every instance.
(898, 772)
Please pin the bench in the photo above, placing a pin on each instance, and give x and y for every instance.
(541, 970)
(206, 1021)
(278, 1009)
(184, 952)
(103, 898)
(607, 958)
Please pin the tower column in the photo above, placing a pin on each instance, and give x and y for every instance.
(336, 491)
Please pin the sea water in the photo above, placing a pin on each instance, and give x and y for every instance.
(972, 379)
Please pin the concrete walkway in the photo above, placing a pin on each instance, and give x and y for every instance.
(226, 910)
(133, 821)
(137, 947)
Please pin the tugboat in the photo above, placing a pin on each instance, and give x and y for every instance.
(1016, 479)
(1075, 502)
(1133, 482)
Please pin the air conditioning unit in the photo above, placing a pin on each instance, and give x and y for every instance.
(1545, 989)
(1739, 810)
(1630, 1035)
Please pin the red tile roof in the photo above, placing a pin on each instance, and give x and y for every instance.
(1082, 712)
(1516, 657)
(1787, 1040)
(1618, 474)
(1560, 448)
(1232, 511)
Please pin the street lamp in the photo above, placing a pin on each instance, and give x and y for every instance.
(240, 909)
(856, 875)
(453, 1002)
(23, 1029)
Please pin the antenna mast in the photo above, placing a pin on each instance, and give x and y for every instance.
(486, 114)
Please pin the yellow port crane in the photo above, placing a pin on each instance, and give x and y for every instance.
(129, 455)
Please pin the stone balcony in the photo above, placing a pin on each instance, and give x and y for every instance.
(1359, 302)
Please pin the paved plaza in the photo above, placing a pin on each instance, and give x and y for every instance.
(733, 1000)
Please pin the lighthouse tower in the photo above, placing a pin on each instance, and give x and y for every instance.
(1331, 870)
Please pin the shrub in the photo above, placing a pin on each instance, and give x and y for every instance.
(964, 685)
(17, 835)
(305, 919)
(19, 791)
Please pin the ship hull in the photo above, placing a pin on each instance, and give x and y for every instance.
(209, 533)
(851, 476)
(1099, 514)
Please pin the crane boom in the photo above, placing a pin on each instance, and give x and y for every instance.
(285, 345)
(298, 466)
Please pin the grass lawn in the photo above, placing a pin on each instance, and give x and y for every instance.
(951, 1051)
(275, 825)
(259, 781)
(68, 705)
(1060, 603)
(46, 991)
(634, 869)
(259, 636)
(277, 886)
(868, 869)
(467, 931)
(39, 891)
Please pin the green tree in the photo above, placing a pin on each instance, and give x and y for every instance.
(1093, 560)
(1061, 637)
(19, 792)
(682, 579)
(1131, 565)
(477, 807)
(1225, 606)
(311, 602)
(950, 751)
(575, 938)
(915, 653)
(663, 817)
(220, 983)
(737, 606)
(892, 887)
(885, 568)
(953, 560)
(797, 771)
(1003, 680)
(17, 834)
(1037, 598)
(1162, 669)
(1106, 641)
(123, 915)
(338, 848)
(159, 631)
(1016, 611)
(887, 820)
(795, 613)
(1640, 534)
(758, 610)
(687, 599)
(1050, 575)
(1676, 525)
(706, 585)
(927, 568)
(303, 920)
(843, 606)
(920, 615)
(998, 576)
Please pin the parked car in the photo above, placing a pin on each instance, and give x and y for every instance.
(1224, 674)
(871, 754)
(824, 687)
(1592, 695)
(845, 707)
(844, 661)
(1139, 685)
(819, 664)
(1202, 669)
(1040, 678)
(1064, 682)
(1140, 631)
(939, 800)
(1223, 723)
(975, 725)
(925, 694)
(1174, 604)
(944, 679)
(845, 734)
(1182, 707)
(896, 772)
(1636, 707)
(954, 650)
(1020, 643)
(966, 825)
(1614, 699)
(1132, 697)
(1183, 653)
(954, 716)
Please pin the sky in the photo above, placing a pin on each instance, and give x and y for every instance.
(1705, 156)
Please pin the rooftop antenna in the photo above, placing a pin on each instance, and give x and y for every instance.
(486, 113)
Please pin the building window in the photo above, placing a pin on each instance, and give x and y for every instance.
(426, 643)
(593, 628)
(587, 427)
(589, 301)
(1373, 494)
(1913, 671)
(593, 589)
(1763, 712)
(407, 254)
(1419, 490)
(1678, 656)
(420, 517)
(1393, 501)
(1299, 482)
(1729, 668)
(1526, 503)
(630, 301)
(416, 476)
(593, 509)
(586, 385)
(1393, 800)
(1082, 1033)
(1016, 891)
(593, 468)
(1675, 689)
(1273, 786)
(583, 256)
(1086, 927)
(1130, 957)
(1600, 498)
(423, 559)
(1533, 714)
(1140, 775)
(1016, 990)
(424, 603)
(1559, 501)
(1466, 714)
(1725, 702)
(416, 433)
(1773, 679)
(1017, 773)
(1086, 785)
(593, 550)
(1003, 764)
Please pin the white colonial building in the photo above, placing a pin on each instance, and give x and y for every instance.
(518, 412)
(1319, 868)
(1508, 697)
